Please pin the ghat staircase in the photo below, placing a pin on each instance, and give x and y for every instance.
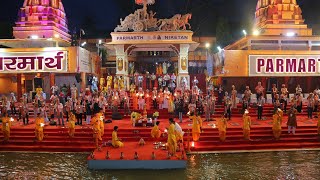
(57, 140)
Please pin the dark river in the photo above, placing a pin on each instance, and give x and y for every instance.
(270, 165)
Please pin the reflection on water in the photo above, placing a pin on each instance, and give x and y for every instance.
(271, 165)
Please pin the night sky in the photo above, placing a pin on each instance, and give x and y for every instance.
(105, 14)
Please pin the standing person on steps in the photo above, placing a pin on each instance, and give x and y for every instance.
(292, 120)
(246, 125)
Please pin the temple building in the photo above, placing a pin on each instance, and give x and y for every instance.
(41, 55)
(42, 18)
(281, 50)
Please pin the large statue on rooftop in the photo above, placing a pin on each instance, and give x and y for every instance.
(142, 20)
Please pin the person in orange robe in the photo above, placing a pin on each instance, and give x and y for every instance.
(135, 100)
(277, 122)
(72, 124)
(95, 121)
(246, 125)
(147, 99)
(222, 126)
(196, 127)
(100, 116)
(6, 125)
(155, 132)
(172, 141)
(170, 104)
(39, 127)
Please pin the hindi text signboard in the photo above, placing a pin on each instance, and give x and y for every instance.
(33, 62)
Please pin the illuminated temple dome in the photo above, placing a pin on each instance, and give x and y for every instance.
(43, 19)
(279, 17)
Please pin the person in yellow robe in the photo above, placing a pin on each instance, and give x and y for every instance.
(115, 83)
(172, 141)
(101, 118)
(39, 91)
(121, 83)
(6, 125)
(116, 142)
(72, 125)
(196, 127)
(39, 127)
(155, 132)
(132, 89)
(101, 84)
(95, 121)
(109, 82)
(222, 126)
(246, 125)
(277, 122)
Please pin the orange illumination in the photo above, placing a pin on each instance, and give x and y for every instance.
(192, 144)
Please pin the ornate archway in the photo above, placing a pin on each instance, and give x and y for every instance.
(152, 34)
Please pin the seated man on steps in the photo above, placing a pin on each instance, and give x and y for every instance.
(116, 142)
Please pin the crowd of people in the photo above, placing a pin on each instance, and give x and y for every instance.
(90, 105)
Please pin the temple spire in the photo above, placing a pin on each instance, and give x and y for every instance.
(276, 17)
(42, 18)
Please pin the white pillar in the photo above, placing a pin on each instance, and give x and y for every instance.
(122, 64)
(183, 63)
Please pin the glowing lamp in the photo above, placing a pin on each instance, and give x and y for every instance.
(41, 124)
(34, 37)
(290, 34)
(166, 131)
(84, 43)
(56, 36)
(192, 144)
(244, 32)
(219, 48)
(49, 39)
(256, 33)
(207, 45)
(11, 119)
(100, 41)
(214, 126)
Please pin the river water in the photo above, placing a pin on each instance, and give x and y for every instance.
(270, 165)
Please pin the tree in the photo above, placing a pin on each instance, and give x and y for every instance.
(223, 34)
